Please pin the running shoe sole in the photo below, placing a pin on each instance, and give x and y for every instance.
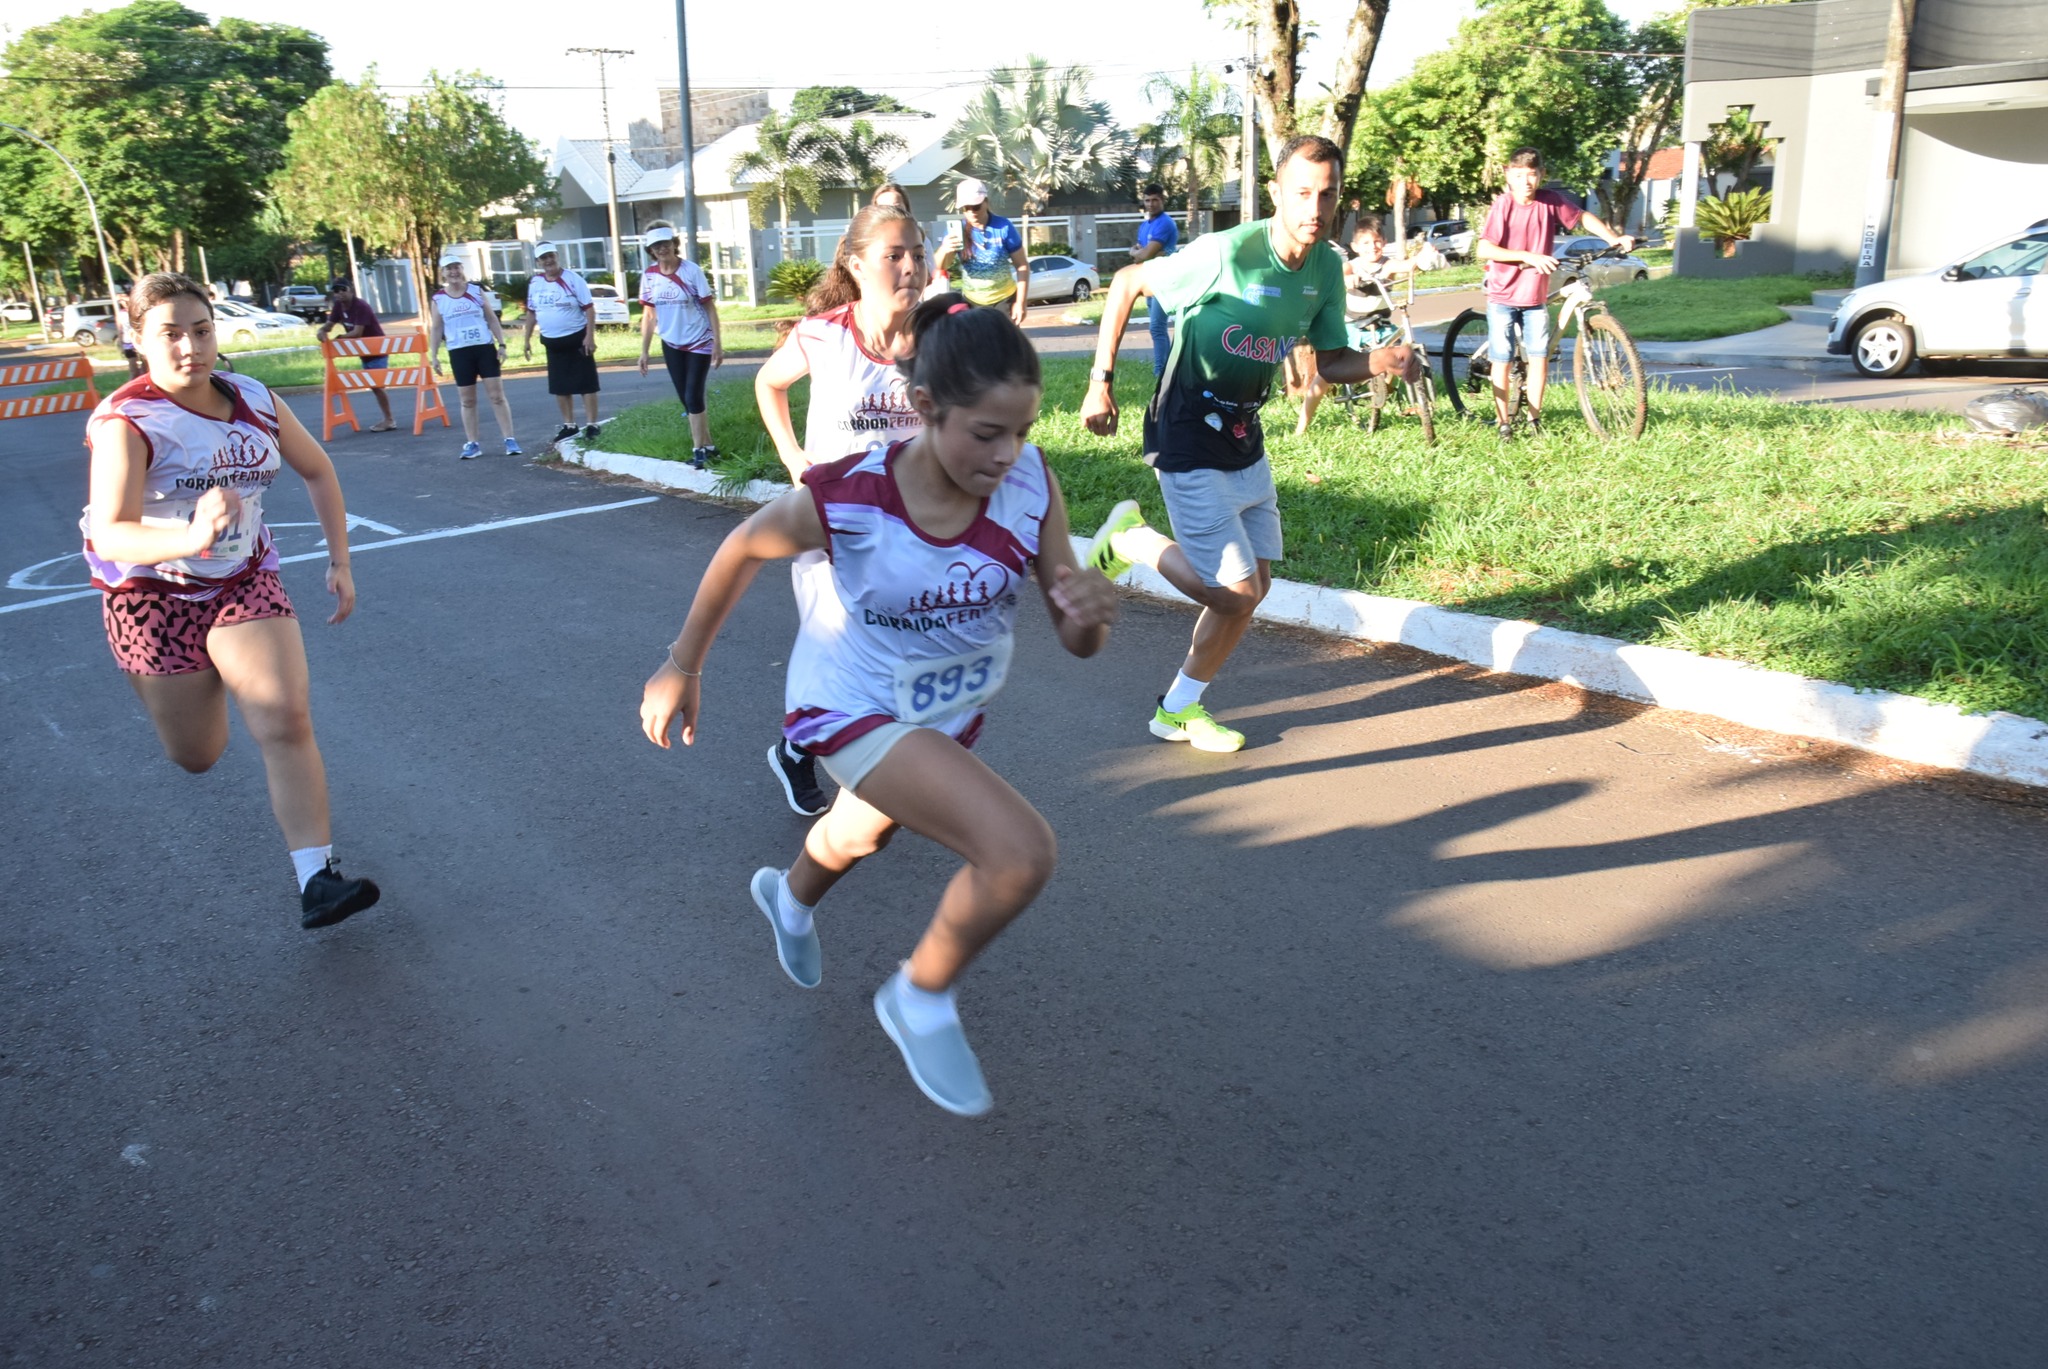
(1168, 732)
(1101, 555)
(975, 1099)
(796, 953)
(789, 789)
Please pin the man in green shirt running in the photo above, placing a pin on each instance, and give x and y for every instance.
(1241, 299)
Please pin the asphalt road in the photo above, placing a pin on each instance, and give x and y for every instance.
(1452, 1023)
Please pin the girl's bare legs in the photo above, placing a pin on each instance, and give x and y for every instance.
(700, 432)
(467, 395)
(932, 785)
(494, 386)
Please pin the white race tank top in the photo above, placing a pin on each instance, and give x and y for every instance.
(189, 454)
(909, 628)
(859, 401)
(462, 318)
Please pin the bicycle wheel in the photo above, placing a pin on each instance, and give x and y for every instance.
(1378, 387)
(1422, 394)
(1609, 375)
(1467, 370)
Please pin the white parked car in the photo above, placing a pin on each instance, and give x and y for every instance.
(91, 322)
(18, 311)
(1992, 302)
(609, 308)
(245, 325)
(1452, 237)
(1062, 278)
(1608, 270)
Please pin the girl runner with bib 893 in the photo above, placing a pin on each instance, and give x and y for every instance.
(930, 540)
(857, 325)
(476, 351)
(193, 606)
(676, 301)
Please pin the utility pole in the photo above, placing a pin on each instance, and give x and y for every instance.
(689, 140)
(205, 276)
(1888, 132)
(35, 291)
(1248, 170)
(611, 160)
(355, 279)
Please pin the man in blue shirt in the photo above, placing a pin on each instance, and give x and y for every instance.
(1157, 237)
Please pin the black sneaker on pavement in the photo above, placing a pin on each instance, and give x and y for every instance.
(566, 430)
(330, 897)
(799, 775)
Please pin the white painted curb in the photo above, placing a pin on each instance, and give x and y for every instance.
(2004, 746)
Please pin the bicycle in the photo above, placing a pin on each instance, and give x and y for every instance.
(1606, 369)
(1384, 324)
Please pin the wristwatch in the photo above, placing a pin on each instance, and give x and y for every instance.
(1105, 374)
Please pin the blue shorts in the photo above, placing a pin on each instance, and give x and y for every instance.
(1505, 321)
(376, 363)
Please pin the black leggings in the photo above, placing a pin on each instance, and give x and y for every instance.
(689, 371)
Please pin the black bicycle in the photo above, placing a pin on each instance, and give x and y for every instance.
(1606, 369)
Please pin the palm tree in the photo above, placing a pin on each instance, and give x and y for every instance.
(1035, 129)
(859, 156)
(1200, 119)
(788, 156)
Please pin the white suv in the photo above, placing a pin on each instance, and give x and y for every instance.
(90, 322)
(1992, 302)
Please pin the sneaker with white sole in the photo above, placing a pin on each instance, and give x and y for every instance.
(1194, 726)
(1101, 555)
(512, 447)
(472, 450)
(802, 958)
(798, 774)
(941, 1063)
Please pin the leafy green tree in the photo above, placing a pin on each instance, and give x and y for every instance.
(1737, 145)
(1036, 130)
(1199, 120)
(791, 159)
(408, 176)
(171, 119)
(840, 102)
(859, 155)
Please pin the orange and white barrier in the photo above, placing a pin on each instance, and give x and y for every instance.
(49, 373)
(411, 374)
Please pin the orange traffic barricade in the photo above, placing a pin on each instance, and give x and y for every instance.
(409, 373)
(48, 373)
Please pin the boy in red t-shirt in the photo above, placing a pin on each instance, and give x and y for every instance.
(1515, 243)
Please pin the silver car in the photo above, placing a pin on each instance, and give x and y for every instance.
(1609, 270)
(1062, 278)
(1992, 302)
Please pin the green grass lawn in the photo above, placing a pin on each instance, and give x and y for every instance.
(1880, 549)
(1688, 308)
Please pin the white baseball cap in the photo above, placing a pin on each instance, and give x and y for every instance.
(455, 257)
(969, 191)
(654, 235)
(544, 249)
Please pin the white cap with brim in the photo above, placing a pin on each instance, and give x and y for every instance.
(655, 235)
(460, 259)
(544, 249)
(969, 192)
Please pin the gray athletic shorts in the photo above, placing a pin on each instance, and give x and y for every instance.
(856, 760)
(1226, 522)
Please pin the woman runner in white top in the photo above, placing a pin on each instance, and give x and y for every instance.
(677, 303)
(930, 542)
(858, 325)
(464, 319)
(193, 606)
(559, 303)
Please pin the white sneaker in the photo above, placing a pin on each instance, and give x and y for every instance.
(941, 1063)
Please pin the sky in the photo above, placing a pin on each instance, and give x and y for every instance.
(552, 93)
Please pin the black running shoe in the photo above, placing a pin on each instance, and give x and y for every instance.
(590, 432)
(799, 776)
(566, 430)
(1535, 424)
(329, 898)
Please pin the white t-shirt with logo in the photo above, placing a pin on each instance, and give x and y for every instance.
(558, 304)
(678, 304)
(463, 317)
(859, 401)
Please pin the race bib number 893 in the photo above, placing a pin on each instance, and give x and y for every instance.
(942, 686)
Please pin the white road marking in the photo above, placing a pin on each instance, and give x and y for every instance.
(492, 526)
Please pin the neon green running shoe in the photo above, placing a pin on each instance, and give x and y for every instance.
(1194, 726)
(1101, 556)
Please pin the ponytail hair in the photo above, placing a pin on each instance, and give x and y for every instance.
(837, 286)
(960, 352)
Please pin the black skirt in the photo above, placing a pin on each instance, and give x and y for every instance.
(570, 370)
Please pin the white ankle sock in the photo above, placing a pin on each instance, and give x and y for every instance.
(924, 1011)
(795, 917)
(310, 861)
(1183, 693)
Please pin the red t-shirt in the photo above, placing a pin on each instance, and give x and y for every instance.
(1531, 227)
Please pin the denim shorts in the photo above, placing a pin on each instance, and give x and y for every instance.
(1226, 522)
(1504, 321)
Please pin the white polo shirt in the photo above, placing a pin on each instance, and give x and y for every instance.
(558, 305)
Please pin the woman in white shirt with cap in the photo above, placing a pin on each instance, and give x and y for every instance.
(464, 320)
(559, 304)
(677, 303)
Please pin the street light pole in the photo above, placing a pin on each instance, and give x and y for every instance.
(35, 291)
(1248, 171)
(611, 160)
(689, 140)
(99, 237)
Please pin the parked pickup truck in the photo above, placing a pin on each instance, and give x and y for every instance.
(307, 301)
